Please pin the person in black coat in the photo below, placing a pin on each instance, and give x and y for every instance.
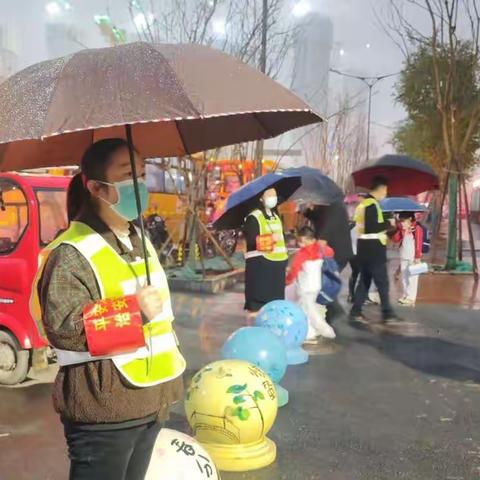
(331, 224)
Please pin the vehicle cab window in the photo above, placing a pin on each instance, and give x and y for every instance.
(53, 214)
(13, 215)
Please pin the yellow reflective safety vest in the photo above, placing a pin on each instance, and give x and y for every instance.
(160, 360)
(270, 226)
(359, 219)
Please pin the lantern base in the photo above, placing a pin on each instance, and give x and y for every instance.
(296, 356)
(242, 458)
(282, 395)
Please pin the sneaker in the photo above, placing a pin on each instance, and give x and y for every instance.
(408, 302)
(311, 341)
(359, 318)
(393, 320)
(374, 298)
(402, 300)
(326, 331)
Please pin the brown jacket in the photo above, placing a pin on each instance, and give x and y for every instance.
(92, 393)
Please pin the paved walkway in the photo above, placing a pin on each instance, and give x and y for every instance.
(375, 405)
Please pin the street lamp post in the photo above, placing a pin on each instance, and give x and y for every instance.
(370, 82)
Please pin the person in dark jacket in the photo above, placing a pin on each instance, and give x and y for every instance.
(372, 230)
(331, 224)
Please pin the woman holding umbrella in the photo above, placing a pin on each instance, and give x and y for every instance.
(110, 405)
(266, 257)
(254, 209)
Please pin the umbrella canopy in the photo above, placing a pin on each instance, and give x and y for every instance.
(354, 198)
(244, 200)
(405, 175)
(316, 187)
(179, 99)
(401, 204)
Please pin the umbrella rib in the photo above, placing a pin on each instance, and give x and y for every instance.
(257, 117)
(174, 74)
(59, 77)
(182, 139)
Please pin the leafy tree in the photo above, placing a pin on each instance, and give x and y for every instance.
(420, 135)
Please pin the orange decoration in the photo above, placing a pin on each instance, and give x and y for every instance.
(265, 243)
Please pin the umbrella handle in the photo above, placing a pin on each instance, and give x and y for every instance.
(131, 151)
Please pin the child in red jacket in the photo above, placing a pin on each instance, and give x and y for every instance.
(306, 273)
(409, 235)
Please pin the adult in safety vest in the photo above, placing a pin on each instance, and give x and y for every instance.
(266, 256)
(372, 239)
(111, 396)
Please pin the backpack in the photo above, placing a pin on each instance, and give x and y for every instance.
(331, 282)
(426, 239)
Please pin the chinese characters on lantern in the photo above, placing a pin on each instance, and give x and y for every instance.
(256, 372)
(204, 463)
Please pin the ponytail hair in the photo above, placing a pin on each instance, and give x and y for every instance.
(95, 162)
(77, 197)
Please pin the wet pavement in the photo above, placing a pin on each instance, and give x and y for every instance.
(376, 404)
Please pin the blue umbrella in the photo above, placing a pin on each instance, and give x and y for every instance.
(247, 198)
(316, 187)
(401, 204)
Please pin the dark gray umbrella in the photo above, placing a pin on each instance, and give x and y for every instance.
(316, 187)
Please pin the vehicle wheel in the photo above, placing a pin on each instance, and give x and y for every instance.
(14, 361)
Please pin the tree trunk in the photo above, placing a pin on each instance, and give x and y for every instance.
(452, 222)
(259, 158)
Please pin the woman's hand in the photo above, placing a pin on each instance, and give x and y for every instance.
(150, 301)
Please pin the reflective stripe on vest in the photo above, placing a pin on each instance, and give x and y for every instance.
(116, 277)
(268, 227)
(359, 218)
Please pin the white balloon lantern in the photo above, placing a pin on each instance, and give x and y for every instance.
(176, 456)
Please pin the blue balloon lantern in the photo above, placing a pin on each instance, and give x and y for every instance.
(262, 348)
(288, 321)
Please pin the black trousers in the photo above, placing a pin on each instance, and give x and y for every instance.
(352, 283)
(376, 271)
(110, 454)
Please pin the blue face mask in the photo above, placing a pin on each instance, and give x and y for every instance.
(126, 205)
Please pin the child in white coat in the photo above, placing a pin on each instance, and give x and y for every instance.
(306, 274)
(409, 235)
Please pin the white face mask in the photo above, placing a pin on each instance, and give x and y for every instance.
(270, 202)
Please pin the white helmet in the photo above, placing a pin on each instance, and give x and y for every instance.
(177, 456)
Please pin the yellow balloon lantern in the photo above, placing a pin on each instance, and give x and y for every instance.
(231, 405)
